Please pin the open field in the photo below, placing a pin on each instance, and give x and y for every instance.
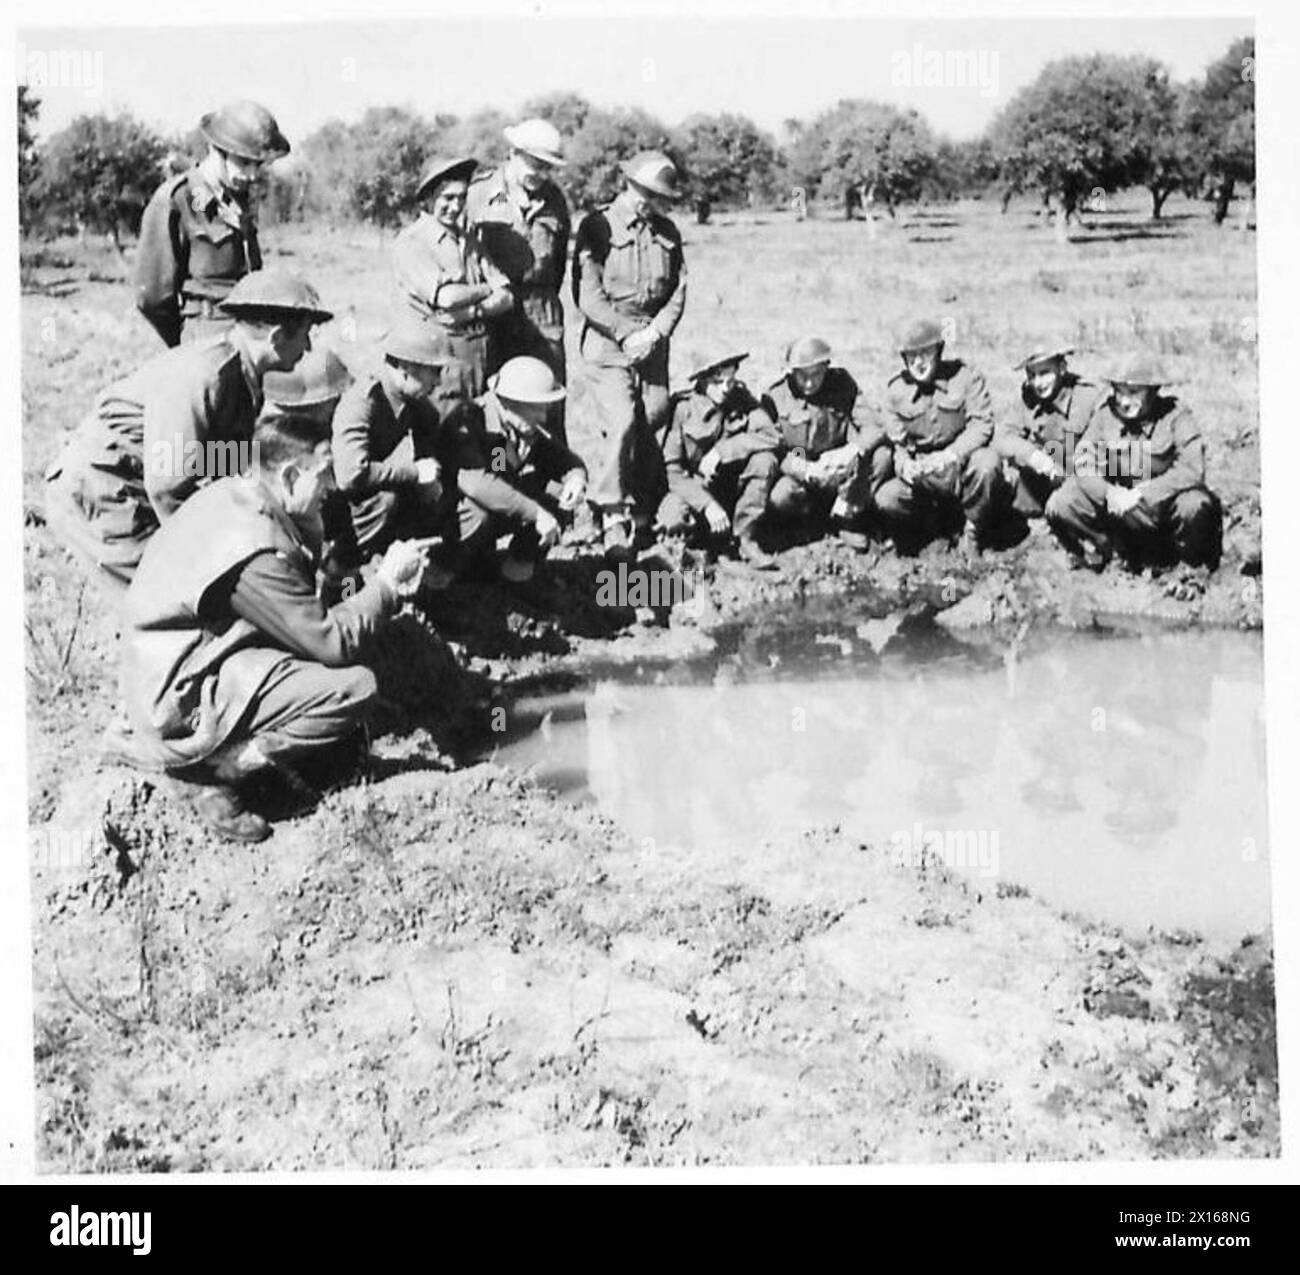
(447, 967)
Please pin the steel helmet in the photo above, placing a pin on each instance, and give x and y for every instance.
(526, 380)
(1043, 354)
(246, 129)
(806, 352)
(412, 340)
(655, 172)
(320, 377)
(919, 336)
(733, 359)
(275, 294)
(538, 138)
(1140, 369)
(441, 168)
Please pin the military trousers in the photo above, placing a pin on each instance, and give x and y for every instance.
(742, 489)
(632, 407)
(1187, 525)
(302, 706)
(973, 486)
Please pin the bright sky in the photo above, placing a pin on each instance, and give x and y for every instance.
(769, 68)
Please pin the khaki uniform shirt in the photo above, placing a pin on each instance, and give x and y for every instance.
(426, 256)
(1054, 426)
(196, 243)
(820, 423)
(628, 271)
(1162, 455)
(527, 239)
(954, 411)
(736, 429)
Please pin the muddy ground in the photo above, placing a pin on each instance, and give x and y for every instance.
(446, 967)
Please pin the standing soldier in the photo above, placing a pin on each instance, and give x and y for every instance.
(629, 280)
(1139, 479)
(443, 275)
(198, 237)
(934, 457)
(153, 436)
(721, 460)
(522, 222)
(814, 405)
(1038, 443)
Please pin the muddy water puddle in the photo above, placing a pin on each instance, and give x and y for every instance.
(1119, 777)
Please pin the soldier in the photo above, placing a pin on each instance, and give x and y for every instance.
(198, 236)
(814, 404)
(443, 275)
(178, 422)
(721, 461)
(530, 477)
(522, 221)
(1038, 443)
(1139, 479)
(231, 663)
(396, 455)
(629, 280)
(933, 459)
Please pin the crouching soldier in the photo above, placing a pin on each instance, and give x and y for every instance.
(934, 464)
(185, 418)
(395, 455)
(1139, 479)
(231, 663)
(530, 476)
(1037, 444)
(720, 456)
(819, 453)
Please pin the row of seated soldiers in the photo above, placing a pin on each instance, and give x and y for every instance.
(236, 659)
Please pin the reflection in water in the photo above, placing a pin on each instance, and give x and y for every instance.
(1123, 777)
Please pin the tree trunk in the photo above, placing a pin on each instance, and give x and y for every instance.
(1006, 198)
(1158, 196)
(1223, 200)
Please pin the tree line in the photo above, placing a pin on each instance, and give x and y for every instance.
(1087, 124)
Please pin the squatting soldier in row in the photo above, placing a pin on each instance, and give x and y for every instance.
(144, 448)
(231, 663)
(720, 458)
(531, 479)
(446, 278)
(396, 455)
(629, 280)
(936, 458)
(1139, 479)
(198, 236)
(1038, 441)
(522, 220)
(814, 405)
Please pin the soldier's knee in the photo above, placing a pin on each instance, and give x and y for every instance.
(760, 465)
(355, 687)
(983, 465)
(893, 498)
